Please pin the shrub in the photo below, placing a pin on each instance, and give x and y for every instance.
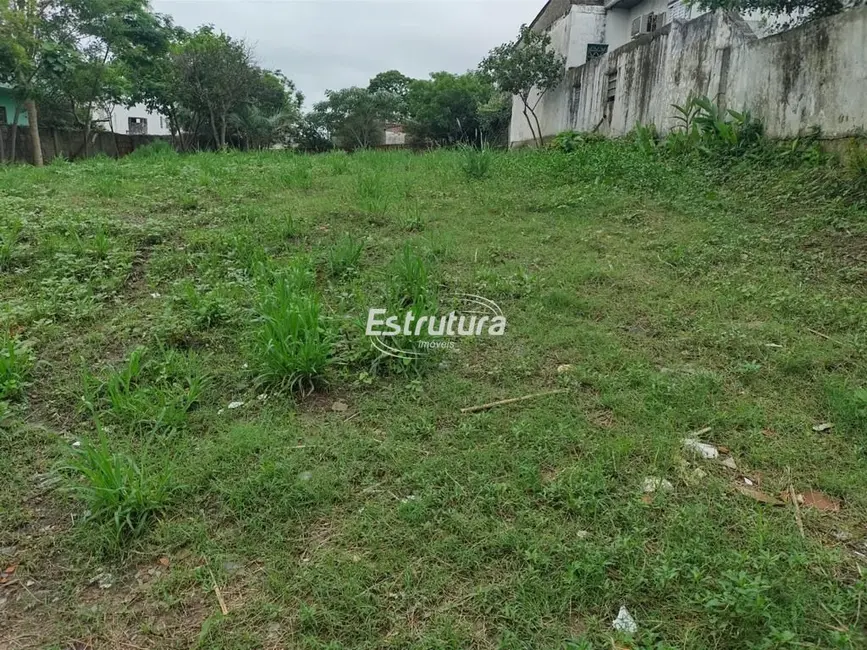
(155, 149)
(703, 125)
(342, 258)
(119, 493)
(293, 343)
(16, 360)
(476, 162)
(570, 141)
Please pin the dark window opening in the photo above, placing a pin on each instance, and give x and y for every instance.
(610, 94)
(596, 50)
(137, 126)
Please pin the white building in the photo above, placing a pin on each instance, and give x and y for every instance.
(628, 61)
(136, 120)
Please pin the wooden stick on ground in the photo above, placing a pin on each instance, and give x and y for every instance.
(219, 594)
(794, 498)
(484, 407)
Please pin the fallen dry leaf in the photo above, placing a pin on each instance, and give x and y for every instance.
(724, 450)
(164, 560)
(758, 495)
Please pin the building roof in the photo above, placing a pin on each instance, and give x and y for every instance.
(556, 9)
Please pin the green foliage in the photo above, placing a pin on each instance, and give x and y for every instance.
(122, 496)
(784, 14)
(448, 109)
(476, 162)
(569, 141)
(342, 258)
(16, 360)
(527, 67)
(9, 237)
(703, 125)
(355, 116)
(156, 149)
(410, 281)
(294, 343)
(149, 393)
(373, 195)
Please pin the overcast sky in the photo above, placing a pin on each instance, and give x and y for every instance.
(322, 44)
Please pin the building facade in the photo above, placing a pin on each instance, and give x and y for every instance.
(8, 106)
(134, 120)
(628, 61)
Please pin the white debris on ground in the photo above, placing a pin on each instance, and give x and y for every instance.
(235, 405)
(624, 622)
(654, 483)
(700, 448)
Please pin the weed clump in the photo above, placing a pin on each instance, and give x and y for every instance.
(122, 496)
(294, 343)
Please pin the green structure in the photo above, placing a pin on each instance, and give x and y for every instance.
(7, 108)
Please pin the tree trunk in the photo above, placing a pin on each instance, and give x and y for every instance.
(530, 124)
(35, 141)
(214, 130)
(223, 132)
(538, 127)
(13, 146)
(2, 144)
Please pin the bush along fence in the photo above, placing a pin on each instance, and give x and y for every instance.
(72, 145)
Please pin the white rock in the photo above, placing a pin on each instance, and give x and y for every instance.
(235, 405)
(624, 621)
(700, 448)
(729, 462)
(654, 483)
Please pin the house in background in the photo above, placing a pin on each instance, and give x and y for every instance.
(629, 61)
(135, 120)
(394, 136)
(8, 104)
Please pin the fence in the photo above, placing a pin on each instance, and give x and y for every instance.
(70, 144)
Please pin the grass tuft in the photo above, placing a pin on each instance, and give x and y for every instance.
(122, 496)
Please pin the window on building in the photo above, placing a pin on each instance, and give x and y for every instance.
(4, 119)
(137, 126)
(596, 50)
(575, 98)
(678, 10)
(610, 94)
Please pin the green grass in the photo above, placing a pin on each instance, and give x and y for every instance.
(177, 301)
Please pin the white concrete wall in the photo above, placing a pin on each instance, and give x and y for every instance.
(157, 124)
(812, 75)
(586, 25)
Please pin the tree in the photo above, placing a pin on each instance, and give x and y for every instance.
(395, 83)
(528, 68)
(445, 108)
(791, 12)
(272, 114)
(390, 81)
(216, 76)
(31, 45)
(355, 116)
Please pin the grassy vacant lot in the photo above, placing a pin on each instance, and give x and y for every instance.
(667, 295)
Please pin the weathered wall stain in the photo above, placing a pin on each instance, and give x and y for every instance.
(813, 75)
